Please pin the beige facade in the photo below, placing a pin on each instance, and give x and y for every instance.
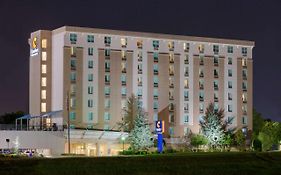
(175, 77)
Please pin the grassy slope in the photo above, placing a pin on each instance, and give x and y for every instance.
(189, 163)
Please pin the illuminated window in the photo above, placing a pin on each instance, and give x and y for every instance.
(72, 102)
(244, 62)
(171, 45)
(171, 58)
(186, 83)
(43, 94)
(186, 47)
(139, 44)
(44, 81)
(44, 43)
(123, 55)
(123, 42)
(73, 51)
(201, 48)
(44, 68)
(123, 67)
(43, 107)
(244, 97)
(44, 56)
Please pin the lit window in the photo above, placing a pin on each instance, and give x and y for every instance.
(171, 45)
(43, 107)
(229, 49)
(244, 62)
(44, 43)
(90, 116)
(123, 42)
(44, 81)
(44, 68)
(186, 83)
(73, 51)
(123, 55)
(72, 102)
(171, 58)
(186, 47)
(244, 97)
(201, 48)
(90, 38)
(44, 56)
(139, 44)
(43, 94)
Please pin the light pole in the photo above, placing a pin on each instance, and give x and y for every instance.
(123, 140)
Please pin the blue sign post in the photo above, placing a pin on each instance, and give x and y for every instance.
(159, 131)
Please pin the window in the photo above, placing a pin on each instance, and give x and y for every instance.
(216, 107)
(186, 47)
(139, 68)
(186, 59)
(216, 85)
(185, 93)
(44, 43)
(123, 103)
(44, 81)
(216, 49)
(201, 107)
(43, 94)
(229, 96)
(107, 66)
(229, 60)
(201, 73)
(90, 116)
(90, 77)
(229, 72)
(229, 49)
(201, 84)
(123, 42)
(72, 102)
(90, 103)
(123, 55)
(73, 38)
(244, 51)
(171, 58)
(139, 44)
(73, 76)
(155, 68)
(201, 48)
(106, 90)
(73, 51)
(216, 73)
(44, 56)
(201, 96)
(73, 64)
(90, 51)
(90, 89)
(216, 96)
(244, 98)
(244, 73)
(230, 119)
(106, 116)
(107, 40)
(244, 109)
(172, 120)
(106, 127)
(123, 91)
(155, 57)
(139, 56)
(123, 79)
(43, 107)
(171, 82)
(171, 70)
(171, 94)
(155, 105)
(72, 115)
(229, 108)
(244, 120)
(186, 85)
(230, 84)
(155, 81)
(244, 86)
(216, 61)
(106, 103)
(185, 107)
(90, 38)
(155, 44)
(107, 79)
(171, 45)
(44, 68)
(171, 130)
(201, 60)
(107, 52)
(123, 67)
(73, 89)
(90, 64)
(139, 81)
(155, 93)
(244, 62)
(139, 92)
(155, 116)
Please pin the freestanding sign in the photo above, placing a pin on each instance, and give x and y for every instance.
(159, 127)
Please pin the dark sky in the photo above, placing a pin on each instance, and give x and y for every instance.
(257, 20)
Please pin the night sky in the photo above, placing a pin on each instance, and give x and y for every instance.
(258, 20)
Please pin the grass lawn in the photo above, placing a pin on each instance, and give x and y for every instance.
(184, 163)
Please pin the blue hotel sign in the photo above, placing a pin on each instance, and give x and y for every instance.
(159, 127)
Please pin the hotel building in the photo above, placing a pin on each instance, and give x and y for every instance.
(94, 71)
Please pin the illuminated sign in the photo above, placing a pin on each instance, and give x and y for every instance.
(159, 126)
(34, 47)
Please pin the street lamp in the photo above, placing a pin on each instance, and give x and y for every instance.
(123, 140)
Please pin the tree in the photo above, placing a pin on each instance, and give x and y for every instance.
(140, 137)
(198, 140)
(240, 139)
(213, 127)
(130, 112)
(270, 135)
(9, 118)
(258, 123)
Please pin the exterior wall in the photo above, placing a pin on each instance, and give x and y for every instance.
(60, 81)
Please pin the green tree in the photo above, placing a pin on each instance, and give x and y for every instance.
(131, 110)
(213, 127)
(240, 139)
(140, 137)
(198, 140)
(9, 118)
(258, 123)
(269, 135)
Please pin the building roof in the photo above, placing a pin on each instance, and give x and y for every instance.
(154, 35)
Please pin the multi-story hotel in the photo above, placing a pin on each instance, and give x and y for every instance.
(174, 77)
